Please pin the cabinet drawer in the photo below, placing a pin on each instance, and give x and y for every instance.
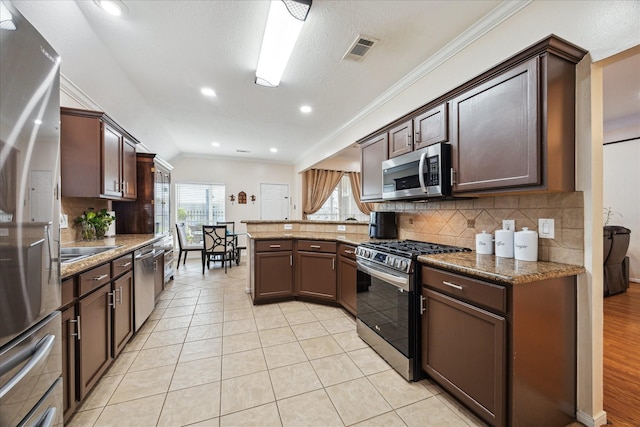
(274, 245)
(94, 278)
(347, 251)
(472, 290)
(67, 292)
(121, 265)
(316, 246)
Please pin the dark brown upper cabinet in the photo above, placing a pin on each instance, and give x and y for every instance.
(431, 127)
(401, 139)
(98, 157)
(373, 152)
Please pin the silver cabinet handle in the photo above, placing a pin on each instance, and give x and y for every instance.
(77, 322)
(274, 246)
(346, 251)
(120, 300)
(291, 260)
(116, 185)
(102, 276)
(112, 304)
(452, 285)
(35, 355)
(422, 307)
(453, 176)
(126, 264)
(315, 246)
(333, 263)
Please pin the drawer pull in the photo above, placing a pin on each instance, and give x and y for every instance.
(126, 264)
(452, 285)
(274, 246)
(101, 277)
(346, 251)
(314, 246)
(77, 322)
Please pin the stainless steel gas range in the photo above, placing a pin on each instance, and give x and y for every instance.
(388, 300)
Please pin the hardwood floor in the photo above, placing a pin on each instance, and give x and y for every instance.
(622, 357)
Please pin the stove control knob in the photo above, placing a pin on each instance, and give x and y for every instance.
(402, 264)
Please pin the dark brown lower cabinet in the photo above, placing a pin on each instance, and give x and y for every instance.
(122, 312)
(316, 274)
(69, 336)
(94, 355)
(464, 350)
(347, 278)
(271, 270)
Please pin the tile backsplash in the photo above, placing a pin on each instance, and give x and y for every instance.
(456, 222)
(73, 207)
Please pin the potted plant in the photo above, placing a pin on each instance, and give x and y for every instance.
(94, 225)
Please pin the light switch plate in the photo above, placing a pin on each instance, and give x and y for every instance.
(546, 228)
(509, 224)
(288, 226)
(64, 221)
(342, 228)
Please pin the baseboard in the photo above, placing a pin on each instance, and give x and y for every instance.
(589, 421)
(634, 280)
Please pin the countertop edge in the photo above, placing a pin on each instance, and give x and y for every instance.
(351, 239)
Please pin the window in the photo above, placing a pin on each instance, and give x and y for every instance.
(340, 205)
(199, 204)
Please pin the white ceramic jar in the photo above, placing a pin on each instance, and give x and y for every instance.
(504, 243)
(525, 245)
(484, 243)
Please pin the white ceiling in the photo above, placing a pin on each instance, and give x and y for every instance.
(146, 68)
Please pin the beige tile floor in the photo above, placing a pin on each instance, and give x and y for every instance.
(208, 357)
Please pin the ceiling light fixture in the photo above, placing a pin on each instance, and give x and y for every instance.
(215, 144)
(273, 150)
(207, 91)
(112, 7)
(305, 109)
(284, 23)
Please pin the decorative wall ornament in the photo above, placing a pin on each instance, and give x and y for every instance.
(232, 198)
(253, 199)
(242, 198)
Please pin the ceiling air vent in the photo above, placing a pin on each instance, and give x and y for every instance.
(360, 47)
(242, 151)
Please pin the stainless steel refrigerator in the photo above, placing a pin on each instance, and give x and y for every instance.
(30, 326)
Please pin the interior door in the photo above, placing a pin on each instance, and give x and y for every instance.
(274, 201)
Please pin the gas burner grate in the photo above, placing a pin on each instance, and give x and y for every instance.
(413, 248)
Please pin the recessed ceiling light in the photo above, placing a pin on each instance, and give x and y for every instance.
(112, 7)
(207, 91)
(215, 144)
(38, 121)
(273, 150)
(305, 109)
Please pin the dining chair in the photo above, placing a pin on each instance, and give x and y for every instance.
(184, 245)
(216, 245)
(237, 250)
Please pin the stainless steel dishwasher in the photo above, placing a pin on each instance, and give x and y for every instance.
(143, 286)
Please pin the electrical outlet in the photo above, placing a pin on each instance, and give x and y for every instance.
(509, 224)
(64, 221)
(288, 226)
(342, 228)
(546, 228)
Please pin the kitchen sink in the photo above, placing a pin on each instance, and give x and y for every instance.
(73, 254)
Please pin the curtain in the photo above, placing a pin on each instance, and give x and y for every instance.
(354, 178)
(319, 185)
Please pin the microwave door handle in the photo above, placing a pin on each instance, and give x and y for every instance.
(421, 173)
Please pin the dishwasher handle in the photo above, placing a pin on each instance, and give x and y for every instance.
(145, 255)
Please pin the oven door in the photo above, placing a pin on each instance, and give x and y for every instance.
(384, 319)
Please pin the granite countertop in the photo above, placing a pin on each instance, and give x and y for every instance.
(125, 243)
(301, 221)
(500, 270)
(351, 239)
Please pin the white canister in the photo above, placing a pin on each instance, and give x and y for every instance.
(484, 243)
(504, 243)
(525, 245)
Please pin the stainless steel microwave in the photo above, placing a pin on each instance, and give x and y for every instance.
(421, 174)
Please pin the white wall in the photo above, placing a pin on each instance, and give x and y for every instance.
(237, 176)
(622, 193)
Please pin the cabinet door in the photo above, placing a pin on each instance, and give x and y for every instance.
(316, 274)
(129, 187)
(372, 153)
(111, 162)
(431, 127)
(401, 139)
(347, 278)
(69, 337)
(122, 312)
(94, 355)
(274, 274)
(463, 350)
(495, 133)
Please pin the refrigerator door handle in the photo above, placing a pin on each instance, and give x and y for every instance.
(42, 350)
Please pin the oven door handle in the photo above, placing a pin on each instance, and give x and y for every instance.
(421, 172)
(396, 281)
